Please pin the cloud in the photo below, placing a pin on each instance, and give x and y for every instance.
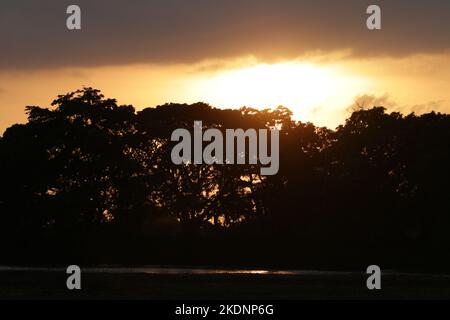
(428, 107)
(367, 101)
(118, 32)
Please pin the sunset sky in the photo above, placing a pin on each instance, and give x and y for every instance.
(314, 57)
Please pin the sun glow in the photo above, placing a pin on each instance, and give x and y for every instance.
(303, 87)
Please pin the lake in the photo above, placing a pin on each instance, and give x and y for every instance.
(162, 282)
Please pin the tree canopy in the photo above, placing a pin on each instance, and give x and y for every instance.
(86, 166)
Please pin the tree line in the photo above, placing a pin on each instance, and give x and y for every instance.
(96, 179)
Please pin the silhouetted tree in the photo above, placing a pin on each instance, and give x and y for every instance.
(88, 166)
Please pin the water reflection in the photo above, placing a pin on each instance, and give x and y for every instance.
(160, 270)
(167, 270)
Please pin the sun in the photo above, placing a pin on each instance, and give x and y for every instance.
(270, 85)
(302, 87)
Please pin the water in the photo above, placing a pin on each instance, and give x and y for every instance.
(169, 282)
(163, 270)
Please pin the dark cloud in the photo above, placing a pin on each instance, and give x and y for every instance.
(33, 33)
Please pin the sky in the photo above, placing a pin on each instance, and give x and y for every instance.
(315, 57)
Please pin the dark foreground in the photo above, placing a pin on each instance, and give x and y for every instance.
(52, 285)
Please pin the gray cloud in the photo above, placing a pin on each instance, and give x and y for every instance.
(367, 101)
(33, 33)
(428, 107)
